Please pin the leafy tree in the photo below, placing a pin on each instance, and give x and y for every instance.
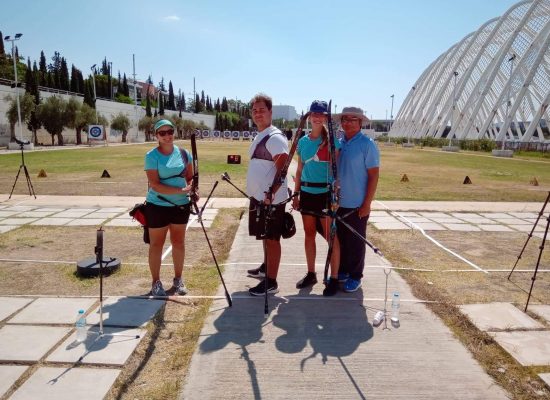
(26, 106)
(52, 114)
(121, 123)
(178, 123)
(171, 100)
(85, 116)
(188, 127)
(146, 124)
(71, 111)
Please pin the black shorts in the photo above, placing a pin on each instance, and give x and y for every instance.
(257, 225)
(314, 203)
(160, 216)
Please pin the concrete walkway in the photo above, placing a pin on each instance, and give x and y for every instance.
(313, 347)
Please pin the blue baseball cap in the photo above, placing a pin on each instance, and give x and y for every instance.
(163, 122)
(319, 107)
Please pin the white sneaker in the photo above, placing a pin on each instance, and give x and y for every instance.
(378, 318)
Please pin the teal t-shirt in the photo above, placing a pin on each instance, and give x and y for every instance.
(316, 168)
(167, 166)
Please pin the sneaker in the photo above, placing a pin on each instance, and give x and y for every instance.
(352, 285)
(259, 290)
(257, 272)
(332, 287)
(309, 280)
(343, 277)
(157, 289)
(378, 318)
(179, 287)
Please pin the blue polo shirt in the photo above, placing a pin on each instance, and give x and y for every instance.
(357, 155)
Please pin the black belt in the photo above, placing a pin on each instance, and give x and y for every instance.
(315, 184)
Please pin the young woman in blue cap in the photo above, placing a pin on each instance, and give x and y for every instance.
(169, 171)
(312, 183)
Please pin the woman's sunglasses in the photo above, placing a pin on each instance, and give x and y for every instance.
(164, 133)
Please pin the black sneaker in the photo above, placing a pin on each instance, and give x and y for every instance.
(259, 290)
(257, 272)
(332, 287)
(309, 280)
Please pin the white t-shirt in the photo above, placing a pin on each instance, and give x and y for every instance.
(261, 172)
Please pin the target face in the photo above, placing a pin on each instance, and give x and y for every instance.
(216, 134)
(226, 134)
(235, 135)
(205, 134)
(95, 132)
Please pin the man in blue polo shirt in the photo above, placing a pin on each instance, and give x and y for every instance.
(358, 169)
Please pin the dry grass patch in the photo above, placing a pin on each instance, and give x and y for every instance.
(447, 290)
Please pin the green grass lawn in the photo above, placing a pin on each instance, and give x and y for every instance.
(433, 174)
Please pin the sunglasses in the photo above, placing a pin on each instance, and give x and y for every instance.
(350, 119)
(164, 133)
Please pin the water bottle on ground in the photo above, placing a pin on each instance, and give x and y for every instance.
(395, 307)
(81, 331)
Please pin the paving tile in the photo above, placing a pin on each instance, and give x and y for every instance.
(462, 227)
(512, 221)
(9, 305)
(114, 209)
(391, 225)
(196, 224)
(126, 312)
(527, 347)
(87, 222)
(523, 214)
(52, 311)
(447, 220)
(482, 221)
(111, 350)
(495, 228)
(383, 219)
(72, 213)
(100, 214)
(431, 226)
(430, 214)
(4, 214)
(379, 213)
(34, 214)
(53, 221)
(8, 375)
(545, 378)
(122, 222)
(408, 214)
(52, 383)
(19, 208)
(17, 221)
(28, 342)
(525, 228)
(541, 310)
(51, 209)
(466, 216)
(498, 316)
(496, 215)
(414, 219)
(7, 228)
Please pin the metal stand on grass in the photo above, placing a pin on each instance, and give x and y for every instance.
(24, 168)
(541, 248)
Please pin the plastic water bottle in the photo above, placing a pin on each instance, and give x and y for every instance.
(395, 307)
(81, 331)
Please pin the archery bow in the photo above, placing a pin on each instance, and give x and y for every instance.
(334, 195)
(194, 199)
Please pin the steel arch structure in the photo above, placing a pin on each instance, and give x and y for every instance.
(494, 83)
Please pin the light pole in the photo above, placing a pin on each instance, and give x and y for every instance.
(391, 112)
(455, 73)
(95, 97)
(9, 39)
(511, 61)
(111, 78)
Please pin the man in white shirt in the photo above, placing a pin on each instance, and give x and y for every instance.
(268, 154)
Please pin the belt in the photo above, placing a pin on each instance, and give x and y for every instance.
(315, 184)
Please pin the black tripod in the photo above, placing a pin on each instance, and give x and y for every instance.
(541, 248)
(24, 167)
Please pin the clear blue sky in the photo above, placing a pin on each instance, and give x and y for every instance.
(355, 52)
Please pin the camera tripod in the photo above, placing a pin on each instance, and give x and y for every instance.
(24, 168)
(541, 248)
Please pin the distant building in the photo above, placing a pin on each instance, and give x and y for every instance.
(287, 113)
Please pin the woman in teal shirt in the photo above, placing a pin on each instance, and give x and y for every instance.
(169, 172)
(312, 183)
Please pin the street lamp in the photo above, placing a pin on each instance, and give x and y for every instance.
(455, 73)
(391, 112)
(511, 61)
(95, 97)
(12, 40)
(111, 78)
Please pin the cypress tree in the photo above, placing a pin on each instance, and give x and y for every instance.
(64, 75)
(148, 106)
(171, 99)
(2, 51)
(88, 93)
(125, 89)
(119, 84)
(161, 104)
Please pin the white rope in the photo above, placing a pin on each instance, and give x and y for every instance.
(415, 226)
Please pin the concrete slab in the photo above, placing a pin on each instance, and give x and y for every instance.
(17, 221)
(28, 342)
(72, 214)
(523, 214)
(462, 227)
(196, 224)
(495, 228)
(19, 208)
(87, 222)
(51, 383)
(7, 228)
(408, 214)
(447, 220)
(101, 214)
(383, 219)
(541, 310)
(482, 221)
(122, 222)
(126, 312)
(34, 214)
(391, 225)
(512, 221)
(431, 226)
(494, 215)
(379, 213)
(111, 350)
(4, 214)
(53, 221)
(527, 347)
(545, 378)
(9, 305)
(414, 219)
(52, 209)
(48, 310)
(8, 375)
(466, 216)
(114, 209)
(524, 228)
(429, 214)
(499, 316)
